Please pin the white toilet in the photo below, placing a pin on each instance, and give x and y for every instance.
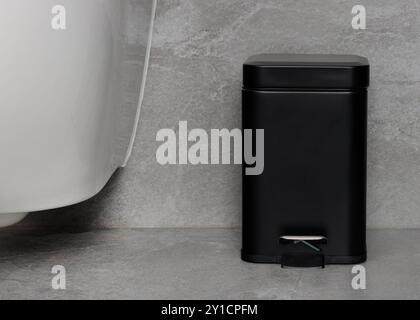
(64, 124)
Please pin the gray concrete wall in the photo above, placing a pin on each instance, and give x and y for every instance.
(195, 75)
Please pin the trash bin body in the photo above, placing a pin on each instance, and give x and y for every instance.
(310, 200)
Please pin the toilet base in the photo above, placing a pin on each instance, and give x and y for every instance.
(8, 219)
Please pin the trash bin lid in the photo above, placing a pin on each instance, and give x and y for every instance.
(316, 71)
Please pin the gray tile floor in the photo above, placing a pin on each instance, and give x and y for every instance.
(191, 264)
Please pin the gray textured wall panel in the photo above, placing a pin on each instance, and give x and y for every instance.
(195, 75)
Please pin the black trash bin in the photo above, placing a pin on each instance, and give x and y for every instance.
(308, 207)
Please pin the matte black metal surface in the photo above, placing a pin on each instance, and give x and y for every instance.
(306, 71)
(314, 182)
